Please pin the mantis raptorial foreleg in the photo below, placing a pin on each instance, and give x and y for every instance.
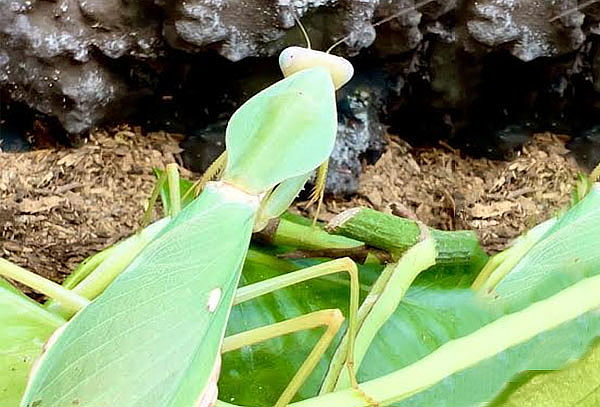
(171, 177)
(318, 191)
(279, 200)
(212, 172)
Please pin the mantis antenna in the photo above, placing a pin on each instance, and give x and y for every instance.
(574, 9)
(297, 20)
(385, 20)
(425, 2)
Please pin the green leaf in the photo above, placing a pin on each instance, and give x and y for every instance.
(576, 385)
(441, 312)
(567, 253)
(24, 327)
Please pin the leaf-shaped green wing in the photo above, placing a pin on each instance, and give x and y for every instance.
(151, 339)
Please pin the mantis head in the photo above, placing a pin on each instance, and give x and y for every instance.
(296, 59)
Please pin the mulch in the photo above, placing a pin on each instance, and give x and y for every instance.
(58, 206)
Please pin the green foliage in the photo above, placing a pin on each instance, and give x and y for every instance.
(566, 253)
(576, 385)
(440, 310)
(24, 327)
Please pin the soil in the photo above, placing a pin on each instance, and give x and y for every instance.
(58, 206)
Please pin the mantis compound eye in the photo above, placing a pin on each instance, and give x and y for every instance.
(295, 59)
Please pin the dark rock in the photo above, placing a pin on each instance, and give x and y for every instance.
(262, 28)
(360, 131)
(55, 55)
(81, 60)
(12, 138)
(525, 28)
(12, 135)
(586, 147)
(500, 142)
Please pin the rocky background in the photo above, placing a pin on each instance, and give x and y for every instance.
(481, 74)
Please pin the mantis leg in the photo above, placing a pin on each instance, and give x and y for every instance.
(212, 172)
(279, 200)
(147, 217)
(174, 193)
(330, 318)
(318, 191)
(334, 266)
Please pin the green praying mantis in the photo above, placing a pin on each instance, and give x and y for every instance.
(189, 273)
(274, 142)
